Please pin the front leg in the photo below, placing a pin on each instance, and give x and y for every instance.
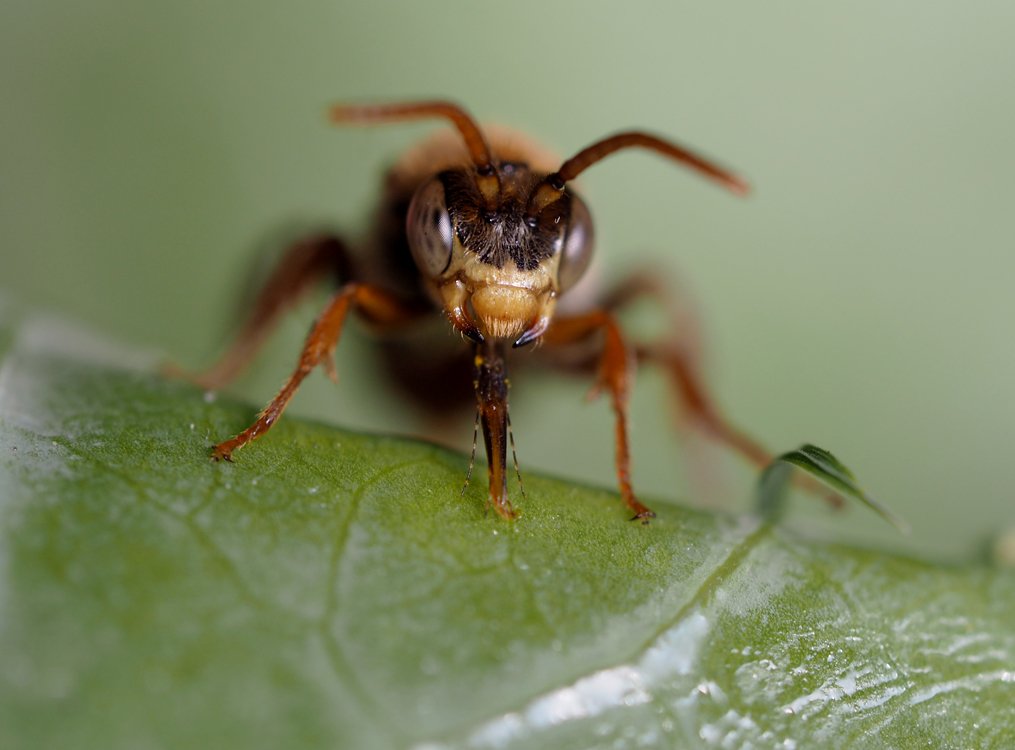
(616, 369)
(376, 304)
(491, 387)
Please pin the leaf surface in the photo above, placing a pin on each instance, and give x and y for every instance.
(332, 589)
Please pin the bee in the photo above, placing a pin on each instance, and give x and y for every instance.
(481, 231)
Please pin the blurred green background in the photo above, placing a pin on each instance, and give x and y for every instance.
(860, 299)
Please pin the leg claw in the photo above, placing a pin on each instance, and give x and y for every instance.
(644, 516)
(218, 453)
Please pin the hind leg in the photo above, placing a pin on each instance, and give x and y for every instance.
(304, 264)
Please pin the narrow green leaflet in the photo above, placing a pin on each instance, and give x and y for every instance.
(334, 590)
(823, 466)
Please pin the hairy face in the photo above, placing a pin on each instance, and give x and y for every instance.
(496, 260)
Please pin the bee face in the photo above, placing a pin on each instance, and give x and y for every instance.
(508, 265)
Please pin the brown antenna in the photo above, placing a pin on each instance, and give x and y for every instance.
(553, 185)
(475, 143)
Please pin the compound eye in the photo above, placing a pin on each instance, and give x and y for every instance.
(578, 245)
(428, 225)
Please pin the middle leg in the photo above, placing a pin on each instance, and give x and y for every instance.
(615, 370)
(376, 304)
(677, 357)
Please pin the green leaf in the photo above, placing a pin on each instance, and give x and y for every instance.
(332, 589)
(826, 468)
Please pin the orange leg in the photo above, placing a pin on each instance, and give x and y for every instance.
(706, 415)
(491, 386)
(699, 404)
(305, 263)
(678, 359)
(616, 365)
(375, 304)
